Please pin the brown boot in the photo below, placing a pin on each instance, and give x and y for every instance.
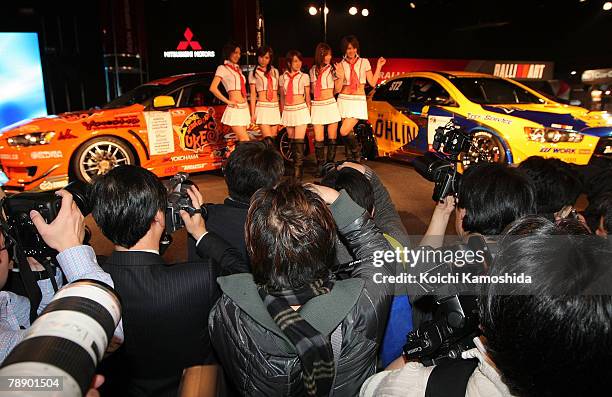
(320, 156)
(297, 148)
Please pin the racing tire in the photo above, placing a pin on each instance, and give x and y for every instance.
(486, 147)
(99, 155)
(365, 136)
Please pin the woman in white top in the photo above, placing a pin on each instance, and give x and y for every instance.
(325, 80)
(236, 114)
(352, 99)
(295, 104)
(265, 110)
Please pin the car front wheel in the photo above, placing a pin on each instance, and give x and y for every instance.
(485, 147)
(99, 155)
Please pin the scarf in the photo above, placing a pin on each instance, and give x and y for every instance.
(270, 89)
(236, 69)
(314, 350)
(319, 84)
(289, 94)
(354, 79)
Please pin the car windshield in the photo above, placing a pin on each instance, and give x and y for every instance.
(491, 91)
(138, 95)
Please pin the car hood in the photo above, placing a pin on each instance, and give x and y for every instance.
(73, 120)
(560, 116)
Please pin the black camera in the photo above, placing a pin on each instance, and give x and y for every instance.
(450, 333)
(178, 200)
(440, 166)
(18, 226)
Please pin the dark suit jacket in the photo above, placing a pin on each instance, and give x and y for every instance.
(165, 312)
(227, 221)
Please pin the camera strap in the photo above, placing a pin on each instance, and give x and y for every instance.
(450, 378)
(29, 282)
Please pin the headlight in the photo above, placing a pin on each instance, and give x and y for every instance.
(551, 135)
(31, 139)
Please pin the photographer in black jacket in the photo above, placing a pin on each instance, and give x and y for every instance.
(251, 166)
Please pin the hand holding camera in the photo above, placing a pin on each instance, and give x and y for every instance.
(194, 224)
(67, 230)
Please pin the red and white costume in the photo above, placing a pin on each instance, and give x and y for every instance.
(233, 80)
(323, 111)
(294, 84)
(354, 105)
(266, 112)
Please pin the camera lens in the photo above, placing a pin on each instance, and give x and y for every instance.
(69, 338)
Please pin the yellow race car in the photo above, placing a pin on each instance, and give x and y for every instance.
(508, 121)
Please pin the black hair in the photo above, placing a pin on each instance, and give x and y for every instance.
(261, 51)
(290, 237)
(357, 186)
(289, 58)
(228, 49)
(553, 336)
(346, 40)
(125, 202)
(251, 166)
(600, 208)
(556, 184)
(494, 195)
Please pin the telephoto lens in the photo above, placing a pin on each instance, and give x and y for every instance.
(62, 348)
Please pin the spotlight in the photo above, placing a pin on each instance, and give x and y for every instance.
(412, 5)
(607, 6)
(573, 72)
(312, 10)
(326, 10)
(365, 12)
(353, 10)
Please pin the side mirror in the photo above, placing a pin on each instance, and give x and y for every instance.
(163, 101)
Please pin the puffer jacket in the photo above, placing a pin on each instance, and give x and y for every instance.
(257, 357)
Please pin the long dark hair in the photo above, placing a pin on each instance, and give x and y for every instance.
(320, 52)
(261, 51)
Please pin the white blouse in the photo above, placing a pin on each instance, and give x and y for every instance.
(362, 66)
(327, 78)
(300, 81)
(260, 79)
(229, 77)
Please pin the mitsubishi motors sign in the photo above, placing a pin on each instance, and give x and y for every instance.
(189, 48)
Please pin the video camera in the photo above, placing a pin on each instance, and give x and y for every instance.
(456, 318)
(440, 166)
(178, 200)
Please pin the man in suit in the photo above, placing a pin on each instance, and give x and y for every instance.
(165, 307)
(253, 165)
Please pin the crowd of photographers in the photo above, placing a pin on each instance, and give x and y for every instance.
(280, 287)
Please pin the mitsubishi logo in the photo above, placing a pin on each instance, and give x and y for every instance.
(189, 48)
(183, 45)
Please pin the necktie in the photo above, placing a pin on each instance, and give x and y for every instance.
(242, 79)
(354, 83)
(270, 89)
(318, 84)
(289, 94)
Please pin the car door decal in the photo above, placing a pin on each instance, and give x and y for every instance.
(198, 131)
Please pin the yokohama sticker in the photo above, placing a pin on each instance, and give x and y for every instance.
(199, 130)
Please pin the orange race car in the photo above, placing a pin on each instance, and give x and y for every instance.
(167, 125)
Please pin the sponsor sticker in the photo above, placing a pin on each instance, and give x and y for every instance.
(199, 130)
(48, 154)
(117, 122)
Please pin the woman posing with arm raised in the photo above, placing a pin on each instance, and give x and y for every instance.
(236, 114)
(295, 102)
(264, 95)
(352, 99)
(325, 79)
